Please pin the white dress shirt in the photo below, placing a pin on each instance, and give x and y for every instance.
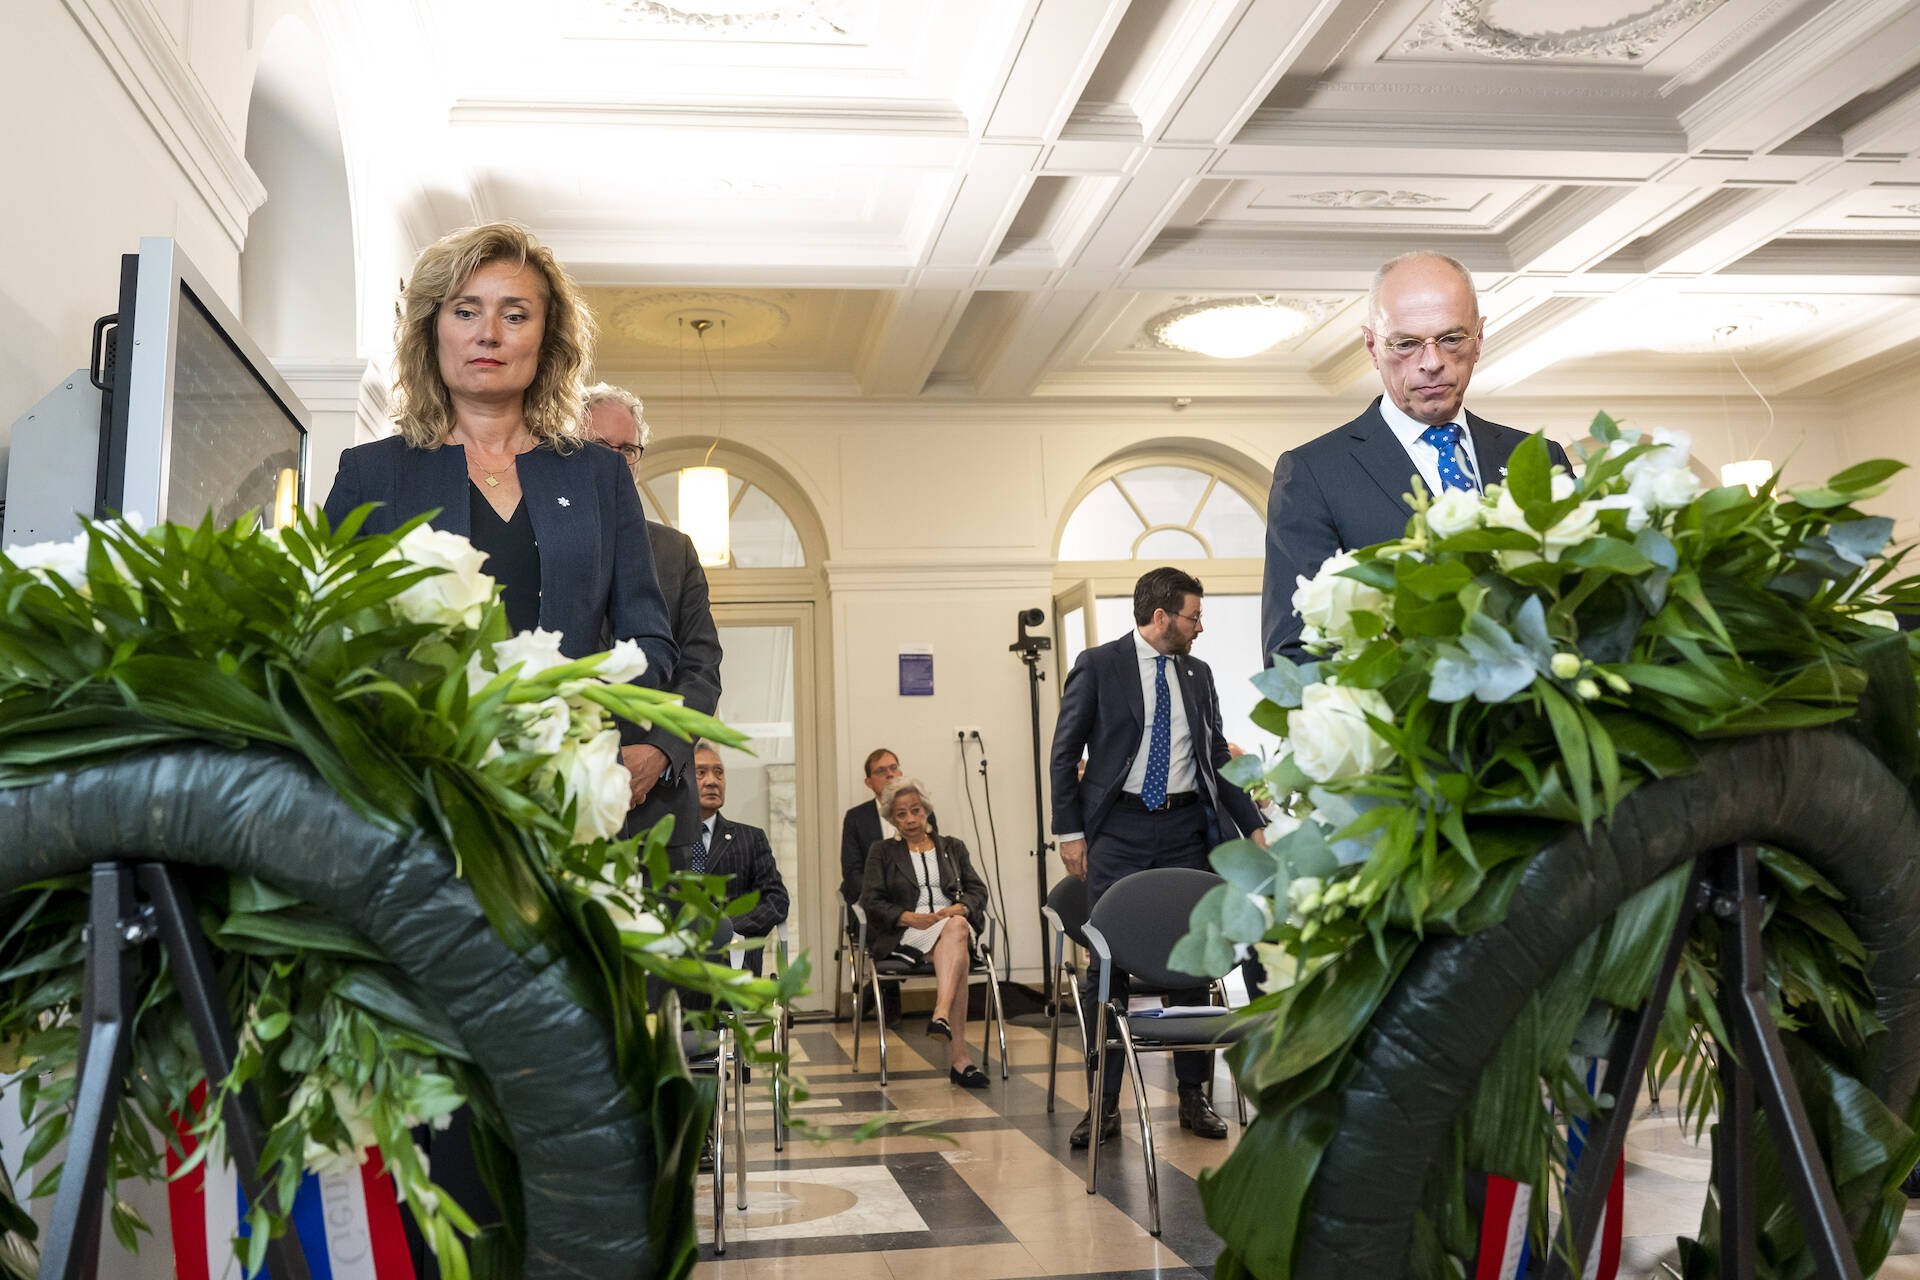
(1180, 743)
(1180, 774)
(1407, 430)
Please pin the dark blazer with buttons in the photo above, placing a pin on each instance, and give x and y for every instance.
(1103, 713)
(891, 886)
(596, 569)
(696, 678)
(1346, 490)
(859, 832)
(745, 856)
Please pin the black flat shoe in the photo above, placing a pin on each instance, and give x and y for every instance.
(938, 1029)
(972, 1078)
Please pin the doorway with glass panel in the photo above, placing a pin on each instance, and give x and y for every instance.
(1187, 511)
(768, 602)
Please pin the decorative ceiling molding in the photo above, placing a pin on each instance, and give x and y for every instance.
(1373, 198)
(1462, 27)
(163, 88)
(665, 319)
(778, 19)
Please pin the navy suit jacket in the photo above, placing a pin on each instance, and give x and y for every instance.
(1344, 491)
(1103, 712)
(596, 569)
(745, 856)
(696, 678)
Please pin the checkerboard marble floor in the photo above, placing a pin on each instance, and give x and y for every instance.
(1003, 1197)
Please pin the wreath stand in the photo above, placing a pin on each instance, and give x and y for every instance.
(1726, 884)
(131, 906)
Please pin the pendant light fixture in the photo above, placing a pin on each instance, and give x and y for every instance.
(704, 500)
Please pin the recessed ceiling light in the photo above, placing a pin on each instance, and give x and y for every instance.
(1227, 328)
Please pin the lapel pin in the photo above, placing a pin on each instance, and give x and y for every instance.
(565, 503)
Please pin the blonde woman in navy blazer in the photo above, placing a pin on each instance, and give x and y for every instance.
(492, 344)
(493, 340)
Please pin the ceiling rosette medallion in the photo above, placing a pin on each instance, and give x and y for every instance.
(1462, 26)
(665, 319)
(1372, 198)
(762, 19)
(1234, 327)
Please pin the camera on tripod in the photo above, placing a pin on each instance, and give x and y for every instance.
(1030, 646)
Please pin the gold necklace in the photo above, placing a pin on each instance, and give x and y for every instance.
(493, 477)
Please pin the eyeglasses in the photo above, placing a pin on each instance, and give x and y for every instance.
(1447, 344)
(631, 452)
(1193, 617)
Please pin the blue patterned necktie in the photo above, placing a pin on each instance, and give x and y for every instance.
(1445, 439)
(698, 863)
(1153, 789)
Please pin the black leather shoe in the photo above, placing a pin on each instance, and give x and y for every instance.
(1109, 1124)
(1197, 1114)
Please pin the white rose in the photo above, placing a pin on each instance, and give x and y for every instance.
(596, 782)
(1662, 477)
(1327, 603)
(1570, 530)
(1303, 896)
(535, 651)
(1454, 511)
(478, 677)
(542, 726)
(1879, 618)
(1330, 734)
(645, 927)
(64, 560)
(456, 598)
(625, 661)
(1638, 517)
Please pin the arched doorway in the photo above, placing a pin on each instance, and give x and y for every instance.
(769, 602)
(1168, 505)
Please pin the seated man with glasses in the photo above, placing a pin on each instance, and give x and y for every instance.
(1346, 489)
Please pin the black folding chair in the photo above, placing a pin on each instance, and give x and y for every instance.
(1135, 925)
(896, 969)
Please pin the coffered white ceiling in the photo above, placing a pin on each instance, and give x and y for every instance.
(992, 198)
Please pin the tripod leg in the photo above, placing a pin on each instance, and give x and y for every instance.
(1626, 1064)
(104, 1049)
(213, 1034)
(1765, 1071)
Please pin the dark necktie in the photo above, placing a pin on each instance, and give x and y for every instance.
(1445, 439)
(1153, 788)
(698, 863)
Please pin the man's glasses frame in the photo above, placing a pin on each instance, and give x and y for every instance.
(1406, 347)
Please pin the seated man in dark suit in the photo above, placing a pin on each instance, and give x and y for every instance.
(722, 847)
(1345, 490)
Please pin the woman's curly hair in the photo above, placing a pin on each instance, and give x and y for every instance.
(424, 412)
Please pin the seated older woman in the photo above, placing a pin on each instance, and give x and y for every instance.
(922, 897)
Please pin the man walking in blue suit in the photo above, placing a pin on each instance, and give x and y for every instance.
(1347, 489)
(1146, 713)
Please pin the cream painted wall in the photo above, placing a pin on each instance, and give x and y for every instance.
(1882, 420)
(89, 176)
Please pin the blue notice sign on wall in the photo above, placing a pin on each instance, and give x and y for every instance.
(916, 673)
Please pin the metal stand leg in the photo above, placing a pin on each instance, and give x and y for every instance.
(1728, 883)
(119, 923)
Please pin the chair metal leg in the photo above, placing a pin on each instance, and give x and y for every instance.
(859, 995)
(1053, 1038)
(879, 1026)
(999, 1022)
(783, 1049)
(1146, 1128)
(719, 1138)
(740, 1131)
(839, 973)
(1094, 1099)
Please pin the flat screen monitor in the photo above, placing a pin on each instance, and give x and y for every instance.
(199, 422)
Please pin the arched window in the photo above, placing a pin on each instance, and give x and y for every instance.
(1182, 509)
(760, 535)
(1163, 512)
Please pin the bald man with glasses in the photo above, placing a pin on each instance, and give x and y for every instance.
(1347, 489)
